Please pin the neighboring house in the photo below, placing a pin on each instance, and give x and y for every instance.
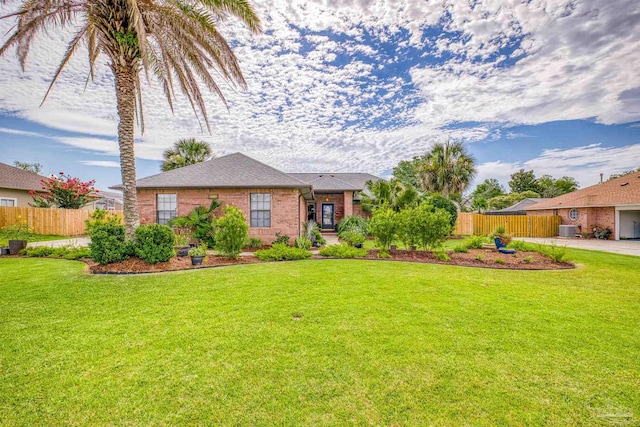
(518, 208)
(613, 204)
(109, 200)
(272, 201)
(15, 184)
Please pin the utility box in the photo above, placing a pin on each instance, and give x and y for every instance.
(568, 231)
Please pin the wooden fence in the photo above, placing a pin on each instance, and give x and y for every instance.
(63, 222)
(516, 225)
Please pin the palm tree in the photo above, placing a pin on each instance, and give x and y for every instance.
(185, 152)
(178, 42)
(392, 193)
(448, 169)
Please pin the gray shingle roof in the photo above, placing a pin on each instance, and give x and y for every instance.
(230, 171)
(19, 179)
(518, 207)
(336, 181)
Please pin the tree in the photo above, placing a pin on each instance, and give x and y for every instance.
(623, 173)
(549, 187)
(487, 189)
(447, 169)
(392, 193)
(174, 41)
(480, 204)
(407, 171)
(501, 202)
(185, 152)
(64, 192)
(523, 181)
(29, 167)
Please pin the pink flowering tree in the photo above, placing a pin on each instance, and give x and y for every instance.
(64, 192)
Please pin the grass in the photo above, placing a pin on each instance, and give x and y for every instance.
(327, 342)
(4, 240)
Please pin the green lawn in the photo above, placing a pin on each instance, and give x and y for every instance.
(325, 342)
(4, 240)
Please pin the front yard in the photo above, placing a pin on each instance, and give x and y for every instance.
(328, 342)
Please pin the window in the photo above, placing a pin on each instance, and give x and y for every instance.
(7, 202)
(166, 205)
(260, 210)
(573, 214)
(311, 211)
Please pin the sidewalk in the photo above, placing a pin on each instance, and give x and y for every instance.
(625, 247)
(73, 241)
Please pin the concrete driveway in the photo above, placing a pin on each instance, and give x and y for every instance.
(626, 247)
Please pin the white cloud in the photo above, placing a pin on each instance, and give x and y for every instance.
(21, 132)
(101, 163)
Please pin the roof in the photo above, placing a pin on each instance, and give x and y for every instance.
(336, 181)
(117, 195)
(624, 190)
(19, 179)
(230, 171)
(518, 208)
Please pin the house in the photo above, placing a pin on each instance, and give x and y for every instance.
(108, 200)
(272, 201)
(614, 204)
(518, 208)
(15, 184)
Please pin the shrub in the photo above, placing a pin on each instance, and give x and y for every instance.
(320, 240)
(198, 250)
(66, 252)
(343, 251)
(383, 227)
(527, 259)
(480, 257)
(352, 222)
(154, 243)
(461, 249)
(64, 192)
(553, 251)
(353, 236)
(201, 223)
(254, 242)
(407, 224)
(101, 217)
(499, 261)
(432, 227)
(502, 235)
(521, 246)
(474, 242)
(232, 234)
(303, 243)
(18, 231)
(439, 202)
(311, 231)
(601, 232)
(108, 244)
(441, 255)
(281, 239)
(282, 252)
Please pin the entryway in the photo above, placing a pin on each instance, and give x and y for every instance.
(328, 216)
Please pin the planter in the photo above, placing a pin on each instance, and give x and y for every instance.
(182, 251)
(4, 251)
(15, 246)
(196, 260)
(358, 245)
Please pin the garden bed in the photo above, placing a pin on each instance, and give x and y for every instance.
(135, 265)
(516, 261)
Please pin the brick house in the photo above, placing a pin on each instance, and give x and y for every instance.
(613, 204)
(272, 201)
(15, 184)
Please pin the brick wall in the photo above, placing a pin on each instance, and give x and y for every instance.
(587, 218)
(285, 207)
(338, 205)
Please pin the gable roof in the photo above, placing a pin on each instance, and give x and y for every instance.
(336, 181)
(19, 179)
(230, 171)
(518, 207)
(624, 190)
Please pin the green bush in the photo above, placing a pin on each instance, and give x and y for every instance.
(460, 249)
(553, 251)
(101, 217)
(254, 242)
(303, 243)
(499, 261)
(439, 202)
(474, 242)
(353, 236)
(201, 223)
(441, 255)
(521, 246)
(66, 252)
(154, 243)
(198, 250)
(352, 222)
(480, 257)
(232, 234)
(407, 224)
(432, 227)
(527, 259)
(282, 252)
(343, 251)
(281, 239)
(108, 244)
(383, 227)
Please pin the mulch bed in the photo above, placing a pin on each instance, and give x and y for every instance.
(489, 256)
(135, 265)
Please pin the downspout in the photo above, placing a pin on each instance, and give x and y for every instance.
(299, 219)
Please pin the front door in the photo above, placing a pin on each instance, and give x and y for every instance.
(327, 215)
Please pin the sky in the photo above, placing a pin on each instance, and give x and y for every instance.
(359, 85)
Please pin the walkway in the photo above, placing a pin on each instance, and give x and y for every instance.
(626, 247)
(72, 241)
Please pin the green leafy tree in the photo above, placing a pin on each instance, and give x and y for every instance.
(501, 202)
(480, 204)
(201, 223)
(406, 171)
(64, 192)
(177, 42)
(523, 181)
(407, 224)
(232, 234)
(29, 167)
(185, 152)
(392, 193)
(448, 169)
(487, 189)
(550, 187)
(383, 226)
(433, 226)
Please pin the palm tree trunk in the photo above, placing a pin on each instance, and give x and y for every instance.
(126, 98)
